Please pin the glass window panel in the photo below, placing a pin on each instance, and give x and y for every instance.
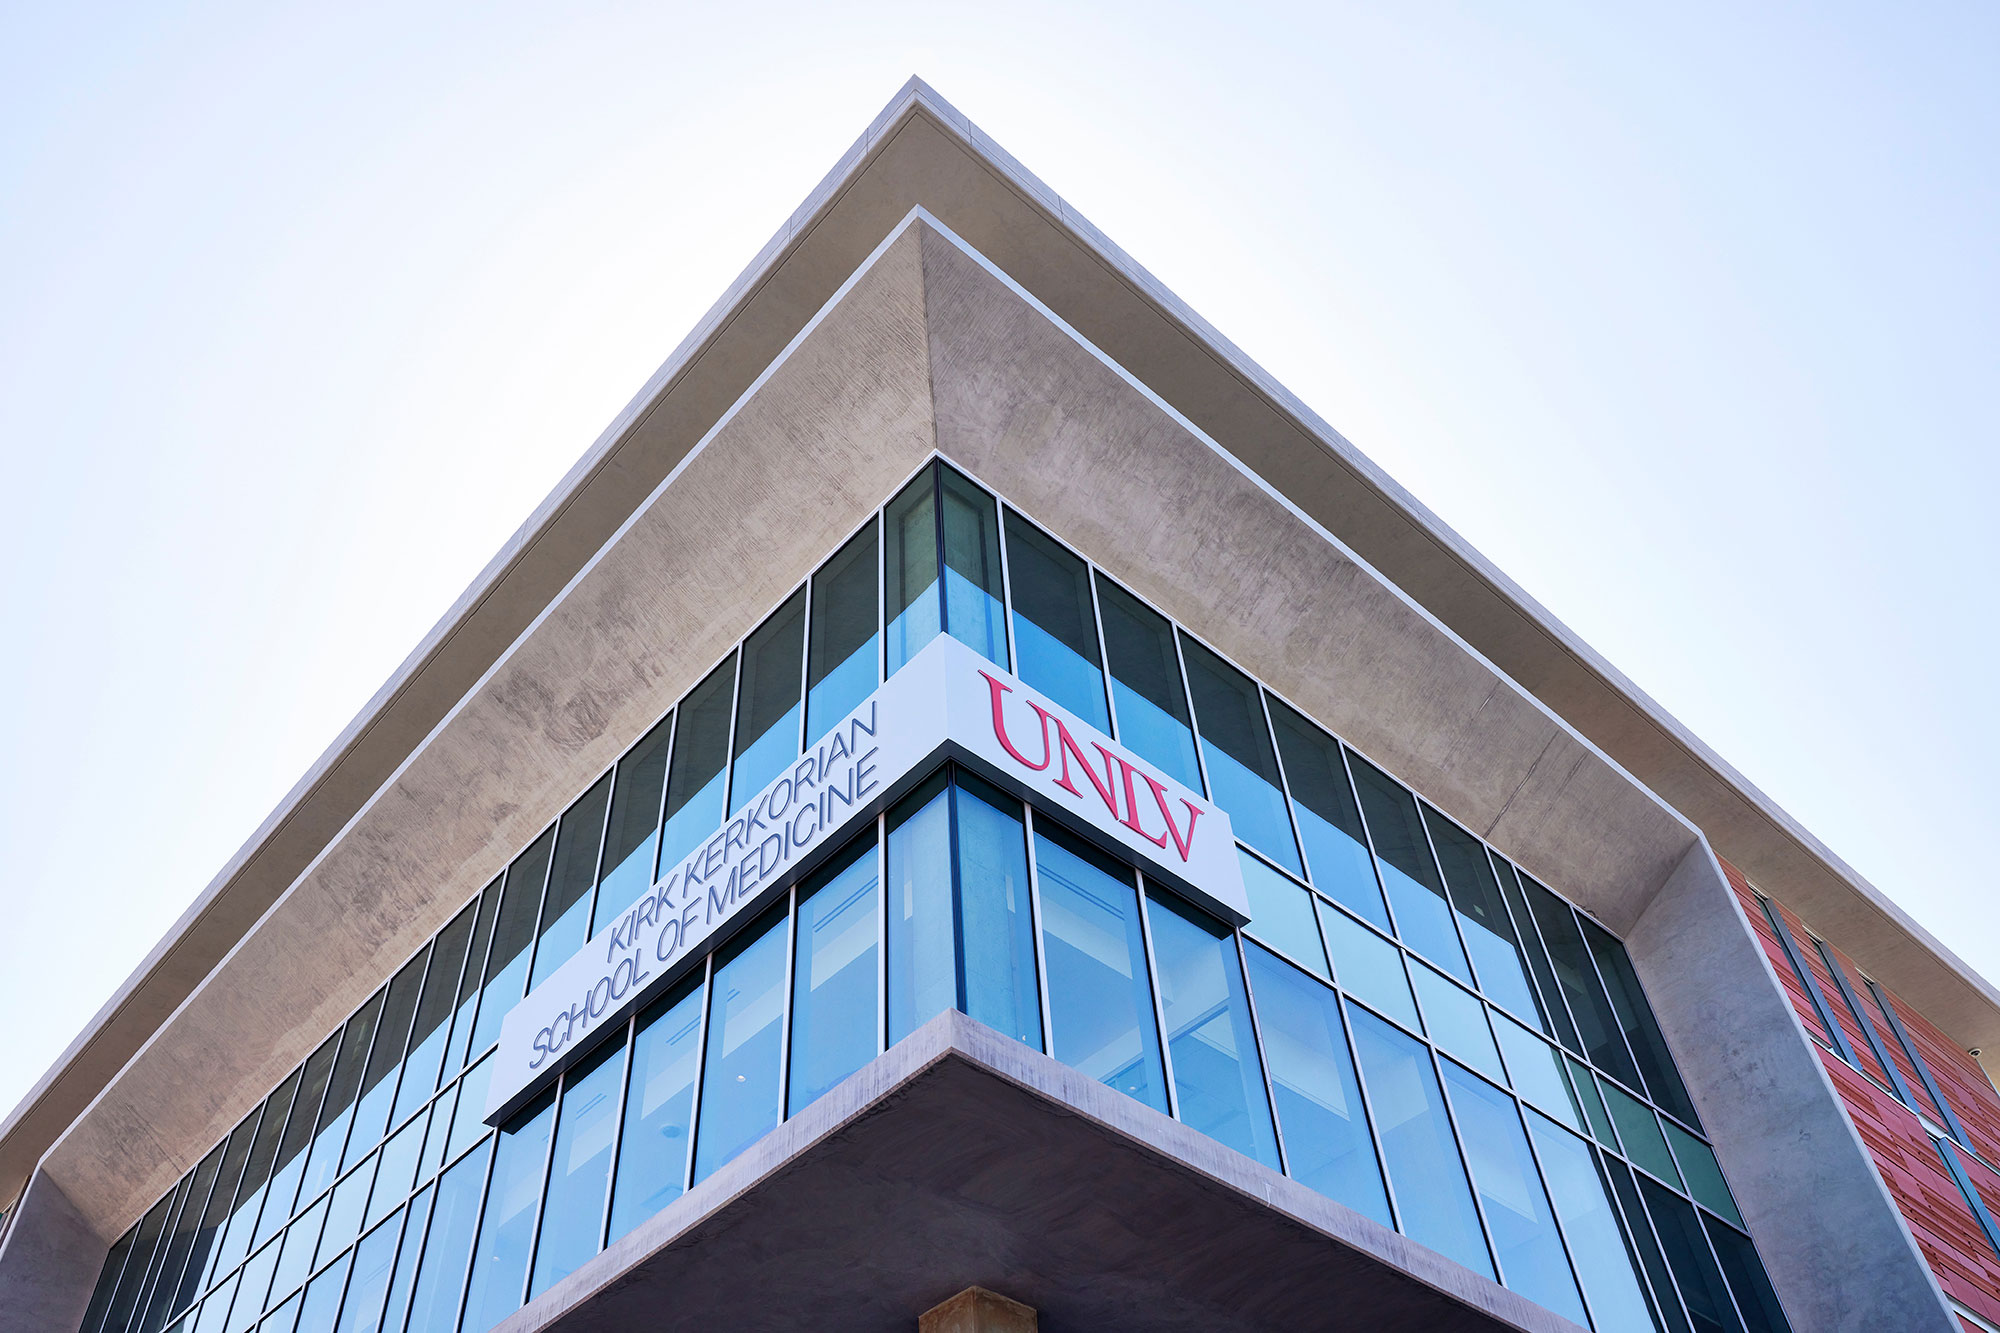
(572, 874)
(910, 569)
(296, 1258)
(217, 1213)
(1236, 747)
(513, 933)
(1635, 1019)
(1755, 1299)
(973, 611)
(285, 1319)
(322, 1300)
(1702, 1288)
(633, 834)
(700, 766)
(1603, 1040)
(579, 1167)
(1146, 684)
(457, 1047)
(1281, 914)
(1593, 1104)
(336, 1112)
(1327, 1146)
(368, 1286)
(1055, 630)
(1337, 857)
(1218, 1079)
(349, 1203)
(149, 1311)
(406, 1261)
(139, 1264)
(443, 1112)
(253, 1286)
(289, 1165)
(1482, 917)
(1368, 967)
(1532, 1259)
(659, 1108)
(1702, 1173)
(997, 924)
(429, 1031)
(166, 1299)
(923, 980)
(1547, 989)
(107, 1281)
(841, 657)
(1456, 1021)
(739, 1082)
(1604, 1265)
(768, 700)
(1409, 876)
(1425, 1171)
(215, 1310)
(392, 1034)
(835, 983)
(1639, 1130)
(256, 1175)
(500, 1258)
(397, 1170)
(1639, 1233)
(1536, 1070)
(468, 1123)
(1100, 1002)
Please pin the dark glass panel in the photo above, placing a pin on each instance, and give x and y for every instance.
(107, 1281)
(1639, 1131)
(923, 977)
(996, 919)
(242, 1222)
(1146, 685)
(392, 1037)
(659, 1107)
(1607, 1269)
(165, 1299)
(744, 1057)
(290, 1162)
(633, 836)
(1547, 990)
(1639, 1232)
(1336, 849)
(429, 1030)
(457, 1046)
(1603, 1040)
(835, 978)
(1702, 1173)
(1055, 629)
(1236, 747)
(974, 612)
(1409, 875)
(1327, 1146)
(768, 701)
(343, 1088)
(1755, 1299)
(842, 657)
(700, 766)
(1636, 1021)
(910, 569)
(217, 1213)
(579, 1167)
(139, 1266)
(513, 933)
(500, 1258)
(572, 875)
(1218, 1078)
(1700, 1281)
(1482, 918)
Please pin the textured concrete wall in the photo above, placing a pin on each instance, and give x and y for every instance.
(49, 1263)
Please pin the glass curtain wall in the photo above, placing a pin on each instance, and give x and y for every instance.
(1408, 1023)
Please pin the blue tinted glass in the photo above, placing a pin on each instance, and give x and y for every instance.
(368, 1286)
(1603, 1039)
(1281, 915)
(1100, 1002)
(349, 1201)
(768, 701)
(1424, 1166)
(253, 1285)
(1456, 1021)
(466, 1007)
(215, 1310)
(1329, 824)
(296, 1256)
(1610, 1282)
(572, 875)
(1146, 684)
(844, 643)
(1536, 1071)
(910, 569)
(500, 1259)
(282, 1192)
(739, 1083)
(1482, 918)
(1703, 1173)
(923, 979)
(1236, 747)
(398, 1169)
(997, 922)
(285, 1319)
(1368, 967)
(836, 979)
(659, 1108)
(1409, 875)
(378, 1083)
(973, 613)
(633, 835)
(513, 935)
(406, 1261)
(1312, 1077)
(1218, 1079)
(1639, 1131)
(700, 768)
(1532, 1260)
(579, 1167)
(1055, 629)
(322, 1300)
(467, 1121)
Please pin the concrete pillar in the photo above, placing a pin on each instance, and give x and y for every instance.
(977, 1310)
(49, 1263)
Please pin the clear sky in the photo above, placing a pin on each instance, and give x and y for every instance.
(1686, 315)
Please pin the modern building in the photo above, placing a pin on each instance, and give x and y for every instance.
(968, 784)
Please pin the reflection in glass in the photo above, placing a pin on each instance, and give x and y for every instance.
(700, 767)
(513, 932)
(374, 1258)
(579, 1166)
(1536, 1071)
(910, 569)
(1281, 914)
(997, 925)
(659, 1108)
(500, 1259)
(1368, 967)
(1456, 1021)
(349, 1201)
(1218, 1079)
(1531, 1255)
(1701, 1284)
(1482, 917)
(1702, 1172)
(1055, 629)
(397, 1170)
(179, 1244)
(253, 1286)
(633, 835)
(1424, 1167)
(290, 1162)
(132, 1281)
(1603, 1264)
(835, 965)
(1312, 1079)
(1603, 1041)
(392, 1032)
(739, 1082)
(406, 1262)
(1593, 1104)
(1667, 1307)
(973, 612)
(458, 1044)
(1329, 823)
(1639, 1130)
(768, 701)
(323, 1298)
(215, 1216)
(468, 1123)
(337, 1108)
(1754, 1296)
(923, 978)
(1409, 876)
(1635, 1019)
(296, 1255)
(1547, 988)
(841, 663)
(429, 1031)
(572, 875)
(1100, 1004)
(1236, 747)
(1146, 684)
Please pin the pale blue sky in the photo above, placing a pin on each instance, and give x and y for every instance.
(1685, 315)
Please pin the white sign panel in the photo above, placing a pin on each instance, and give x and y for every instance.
(948, 702)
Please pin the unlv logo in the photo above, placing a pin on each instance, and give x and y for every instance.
(1116, 781)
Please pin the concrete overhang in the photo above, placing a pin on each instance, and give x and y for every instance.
(961, 1157)
(920, 153)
